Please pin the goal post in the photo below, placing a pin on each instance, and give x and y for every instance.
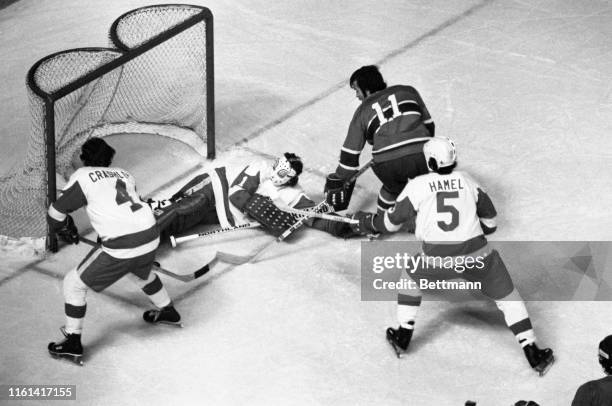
(157, 78)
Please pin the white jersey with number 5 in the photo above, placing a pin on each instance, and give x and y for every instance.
(450, 208)
(446, 206)
(117, 214)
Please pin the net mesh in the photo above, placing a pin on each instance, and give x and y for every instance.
(162, 91)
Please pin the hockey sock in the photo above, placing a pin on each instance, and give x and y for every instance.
(75, 292)
(517, 318)
(154, 289)
(407, 308)
(383, 205)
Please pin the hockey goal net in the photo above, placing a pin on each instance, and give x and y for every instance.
(156, 77)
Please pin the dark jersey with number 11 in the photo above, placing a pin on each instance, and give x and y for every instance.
(392, 120)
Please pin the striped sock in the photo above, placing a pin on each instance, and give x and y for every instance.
(407, 309)
(75, 316)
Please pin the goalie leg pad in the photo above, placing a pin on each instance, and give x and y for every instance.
(194, 185)
(262, 209)
(186, 212)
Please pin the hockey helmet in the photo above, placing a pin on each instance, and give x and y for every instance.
(441, 150)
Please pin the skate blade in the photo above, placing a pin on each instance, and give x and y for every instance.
(169, 323)
(398, 351)
(75, 359)
(543, 369)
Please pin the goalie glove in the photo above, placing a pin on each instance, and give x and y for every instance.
(68, 231)
(366, 223)
(337, 193)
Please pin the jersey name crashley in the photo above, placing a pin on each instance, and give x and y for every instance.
(97, 175)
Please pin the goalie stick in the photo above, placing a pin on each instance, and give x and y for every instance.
(309, 214)
(158, 268)
(243, 259)
(177, 240)
(240, 259)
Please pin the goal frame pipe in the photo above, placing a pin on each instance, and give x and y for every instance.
(51, 243)
(128, 54)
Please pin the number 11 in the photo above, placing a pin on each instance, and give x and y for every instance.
(381, 115)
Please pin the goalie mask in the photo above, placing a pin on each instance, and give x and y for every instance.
(286, 170)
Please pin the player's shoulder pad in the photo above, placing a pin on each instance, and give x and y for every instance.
(406, 88)
(80, 174)
(122, 171)
(416, 189)
(470, 181)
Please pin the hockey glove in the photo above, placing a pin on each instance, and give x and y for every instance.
(69, 232)
(157, 204)
(366, 223)
(335, 228)
(337, 194)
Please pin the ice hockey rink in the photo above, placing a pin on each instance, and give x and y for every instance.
(525, 89)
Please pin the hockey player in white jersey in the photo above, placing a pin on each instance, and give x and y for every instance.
(129, 239)
(453, 214)
(261, 186)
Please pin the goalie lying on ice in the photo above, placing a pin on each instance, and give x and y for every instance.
(256, 193)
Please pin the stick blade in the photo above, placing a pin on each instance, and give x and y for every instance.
(205, 269)
(234, 259)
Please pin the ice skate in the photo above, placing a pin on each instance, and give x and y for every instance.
(540, 360)
(167, 315)
(399, 339)
(70, 348)
(373, 236)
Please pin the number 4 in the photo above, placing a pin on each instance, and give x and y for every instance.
(124, 197)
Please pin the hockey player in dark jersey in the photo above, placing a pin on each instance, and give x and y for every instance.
(396, 122)
(129, 239)
(210, 198)
(598, 392)
(452, 214)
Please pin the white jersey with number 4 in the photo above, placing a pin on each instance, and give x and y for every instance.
(116, 212)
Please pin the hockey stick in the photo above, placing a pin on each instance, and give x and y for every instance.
(158, 268)
(186, 277)
(239, 259)
(243, 259)
(310, 214)
(177, 240)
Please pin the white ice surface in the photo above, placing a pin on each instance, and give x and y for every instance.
(523, 87)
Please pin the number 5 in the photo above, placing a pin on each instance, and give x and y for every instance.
(445, 208)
